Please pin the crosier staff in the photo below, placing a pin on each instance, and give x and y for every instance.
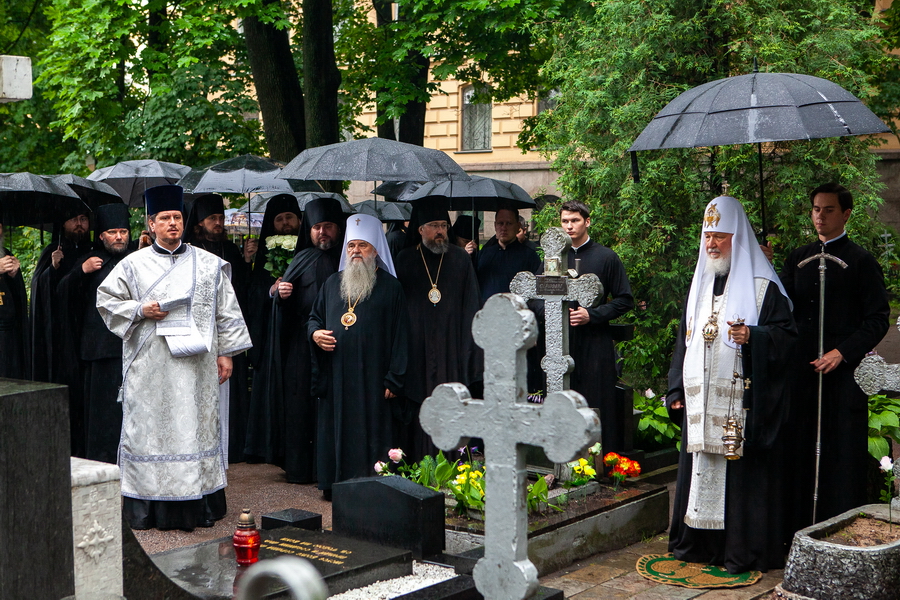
(822, 256)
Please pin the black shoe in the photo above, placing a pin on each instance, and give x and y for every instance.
(326, 495)
(206, 523)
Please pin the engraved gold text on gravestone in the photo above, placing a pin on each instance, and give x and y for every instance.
(320, 552)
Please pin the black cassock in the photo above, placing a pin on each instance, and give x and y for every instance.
(442, 349)
(755, 534)
(239, 383)
(52, 359)
(14, 341)
(282, 421)
(497, 266)
(357, 425)
(591, 345)
(856, 319)
(99, 353)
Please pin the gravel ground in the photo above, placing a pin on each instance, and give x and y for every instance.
(261, 488)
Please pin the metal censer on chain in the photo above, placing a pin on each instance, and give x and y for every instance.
(733, 437)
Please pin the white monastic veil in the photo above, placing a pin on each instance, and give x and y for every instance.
(726, 215)
(369, 229)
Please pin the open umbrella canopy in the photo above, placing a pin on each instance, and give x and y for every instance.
(94, 193)
(759, 107)
(131, 178)
(243, 175)
(258, 203)
(373, 159)
(397, 190)
(479, 193)
(385, 211)
(34, 200)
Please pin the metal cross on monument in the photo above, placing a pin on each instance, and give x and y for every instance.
(557, 287)
(563, 426)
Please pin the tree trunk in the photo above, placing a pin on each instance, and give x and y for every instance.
(412, 122)
(321, 75)
(383, 19)
(277, 88)
(156, 40)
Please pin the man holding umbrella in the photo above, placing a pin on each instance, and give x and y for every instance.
(13, 316)
(855, 319)
(87, 337)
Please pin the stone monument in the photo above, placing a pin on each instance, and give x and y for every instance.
(563, 426)
(873, 375)
(97, 527)
(15, 78)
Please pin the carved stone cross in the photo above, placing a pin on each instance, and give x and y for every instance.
(557, 288)
(563, 426)
(874, 375)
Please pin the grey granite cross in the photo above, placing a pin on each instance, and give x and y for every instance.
(557, 288)
(874, 375)
(563, 426)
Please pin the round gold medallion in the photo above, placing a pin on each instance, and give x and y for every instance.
(434, 295)
(348, 319)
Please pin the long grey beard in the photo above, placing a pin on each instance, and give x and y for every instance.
(719, 266)
(436, 246)
(358, 279)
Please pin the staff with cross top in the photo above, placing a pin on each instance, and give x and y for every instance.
(563, 426)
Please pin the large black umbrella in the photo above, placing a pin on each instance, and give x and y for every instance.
(243, 175)
(478, 193)
(373, 159)
(131, 178)
(386, 212)
(94, 193)
(258, 203)
(754, 109)
(34, 200)
(397, 190)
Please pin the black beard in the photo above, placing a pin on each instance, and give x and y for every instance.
(211, 236)
(326, 244)
(75, 238)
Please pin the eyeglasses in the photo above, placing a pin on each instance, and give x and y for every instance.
(438, 225)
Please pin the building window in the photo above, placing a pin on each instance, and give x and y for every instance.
(547, 100)
(476, 122)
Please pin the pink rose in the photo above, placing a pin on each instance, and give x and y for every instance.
(380, 466)
(395, 454)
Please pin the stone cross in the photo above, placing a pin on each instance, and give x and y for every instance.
(557, 288)
(874, 375)
(563, 426)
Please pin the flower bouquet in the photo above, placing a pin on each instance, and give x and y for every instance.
(280, 253)
(621, 468)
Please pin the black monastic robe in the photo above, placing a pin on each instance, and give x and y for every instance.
(592, 346)
(14, 339)
(754, 536)
(357, 425)
(497, 266)
(442, 349)
(282, 425)
(856, 319)
(239, 383)
(99, 353)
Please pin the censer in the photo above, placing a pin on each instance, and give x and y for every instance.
(733, 437)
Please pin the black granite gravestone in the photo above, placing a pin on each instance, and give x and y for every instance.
(292, 517)
(390, 510)
(35, 491)
(209, 570)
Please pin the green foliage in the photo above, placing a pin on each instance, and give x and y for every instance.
(884, 422)
(431, 472)
(152, 79)
(655, 430)
(537, 496)
(25, 244)
(611, 86)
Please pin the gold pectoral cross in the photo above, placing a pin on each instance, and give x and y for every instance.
(1, 297)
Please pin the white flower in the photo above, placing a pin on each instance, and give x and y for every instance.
(289, 242)
(379, 466)
(272, 241)
(887, 465)
(596, 449)
(648, 393)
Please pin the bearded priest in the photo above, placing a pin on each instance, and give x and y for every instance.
(730, 360)
(360, 326)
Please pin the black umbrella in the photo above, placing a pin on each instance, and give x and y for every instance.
(34, 200)
(397, 190)
(243, 175)
(131, 178)
(258, 203)
(373, 159)
(385, 211)
(479, 193)
(757, 108)
(94, 193)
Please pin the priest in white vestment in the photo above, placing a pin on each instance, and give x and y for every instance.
(737, 320)
(175, 309)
